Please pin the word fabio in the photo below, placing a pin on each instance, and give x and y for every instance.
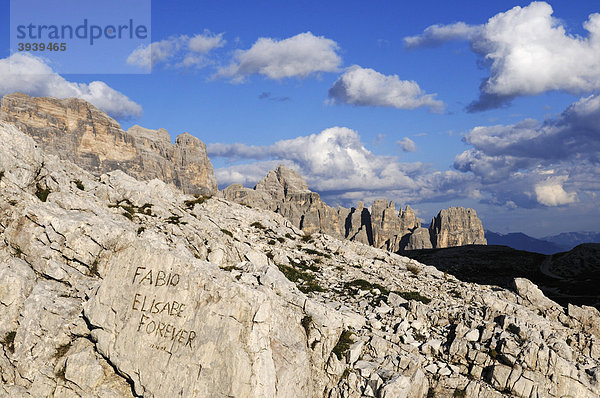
(173, 308)
(166, 331)
(155, 278)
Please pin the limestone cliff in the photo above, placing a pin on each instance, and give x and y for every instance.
(77, 131)
(457, 226)
(114, 287)
(285, 192)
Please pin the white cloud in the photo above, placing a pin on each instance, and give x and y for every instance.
(407, 145)
(528, 52)
(526, 162)
(205, 42)
(159, 51)
(186, 51)
(336, 163)
(552, 193)
(31, 75)
(298, 56)
(435, 35)
(367, 87)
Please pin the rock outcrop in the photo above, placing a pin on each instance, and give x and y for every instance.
(115, 287)
(77, 131)
(285, 192)
(456, 226)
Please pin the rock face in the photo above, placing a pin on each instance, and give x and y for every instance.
(457, 226)
(77, 131)
(285, 192)
(113, 287)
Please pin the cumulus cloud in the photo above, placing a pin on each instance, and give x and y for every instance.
(367, 87)
(528, 52)
(184, 51)
(31, 75)
(436, 35)
(336, 163)
(530, 162)
(407, 145)
(298, 56)
(552, 193)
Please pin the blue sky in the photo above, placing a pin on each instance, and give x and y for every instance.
(493, 108)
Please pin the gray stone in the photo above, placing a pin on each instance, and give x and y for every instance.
(456, 226)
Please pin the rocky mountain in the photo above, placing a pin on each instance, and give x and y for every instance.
(521, 241)
(568, 240)
(115, 287)
(77, 131)
(456, 226)
(285, 192)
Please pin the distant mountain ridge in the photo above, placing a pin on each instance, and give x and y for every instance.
(548, 245)
(568, 240)
(520, 241)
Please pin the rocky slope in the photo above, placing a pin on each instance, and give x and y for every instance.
(285, 192)
(115, 287)
(77, 131)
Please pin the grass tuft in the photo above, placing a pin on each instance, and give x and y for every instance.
(306, 322)
(414, 296)
(199, 199)
(42, 193)
(9, 341)
(343, 344)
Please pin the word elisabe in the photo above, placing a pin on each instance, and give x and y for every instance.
(160, 278)
(172, 308)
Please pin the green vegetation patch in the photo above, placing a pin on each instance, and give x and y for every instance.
(414, 296)
(42, 193)
(307, 238)
(305, 281)
(62, 350)
(198, 200)
(316, 253)
(257, 225)
(226, 232)
(306, 322)
(176, 220)
(365, 285)
(343, 344)
(9, 341)
(131, 209)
